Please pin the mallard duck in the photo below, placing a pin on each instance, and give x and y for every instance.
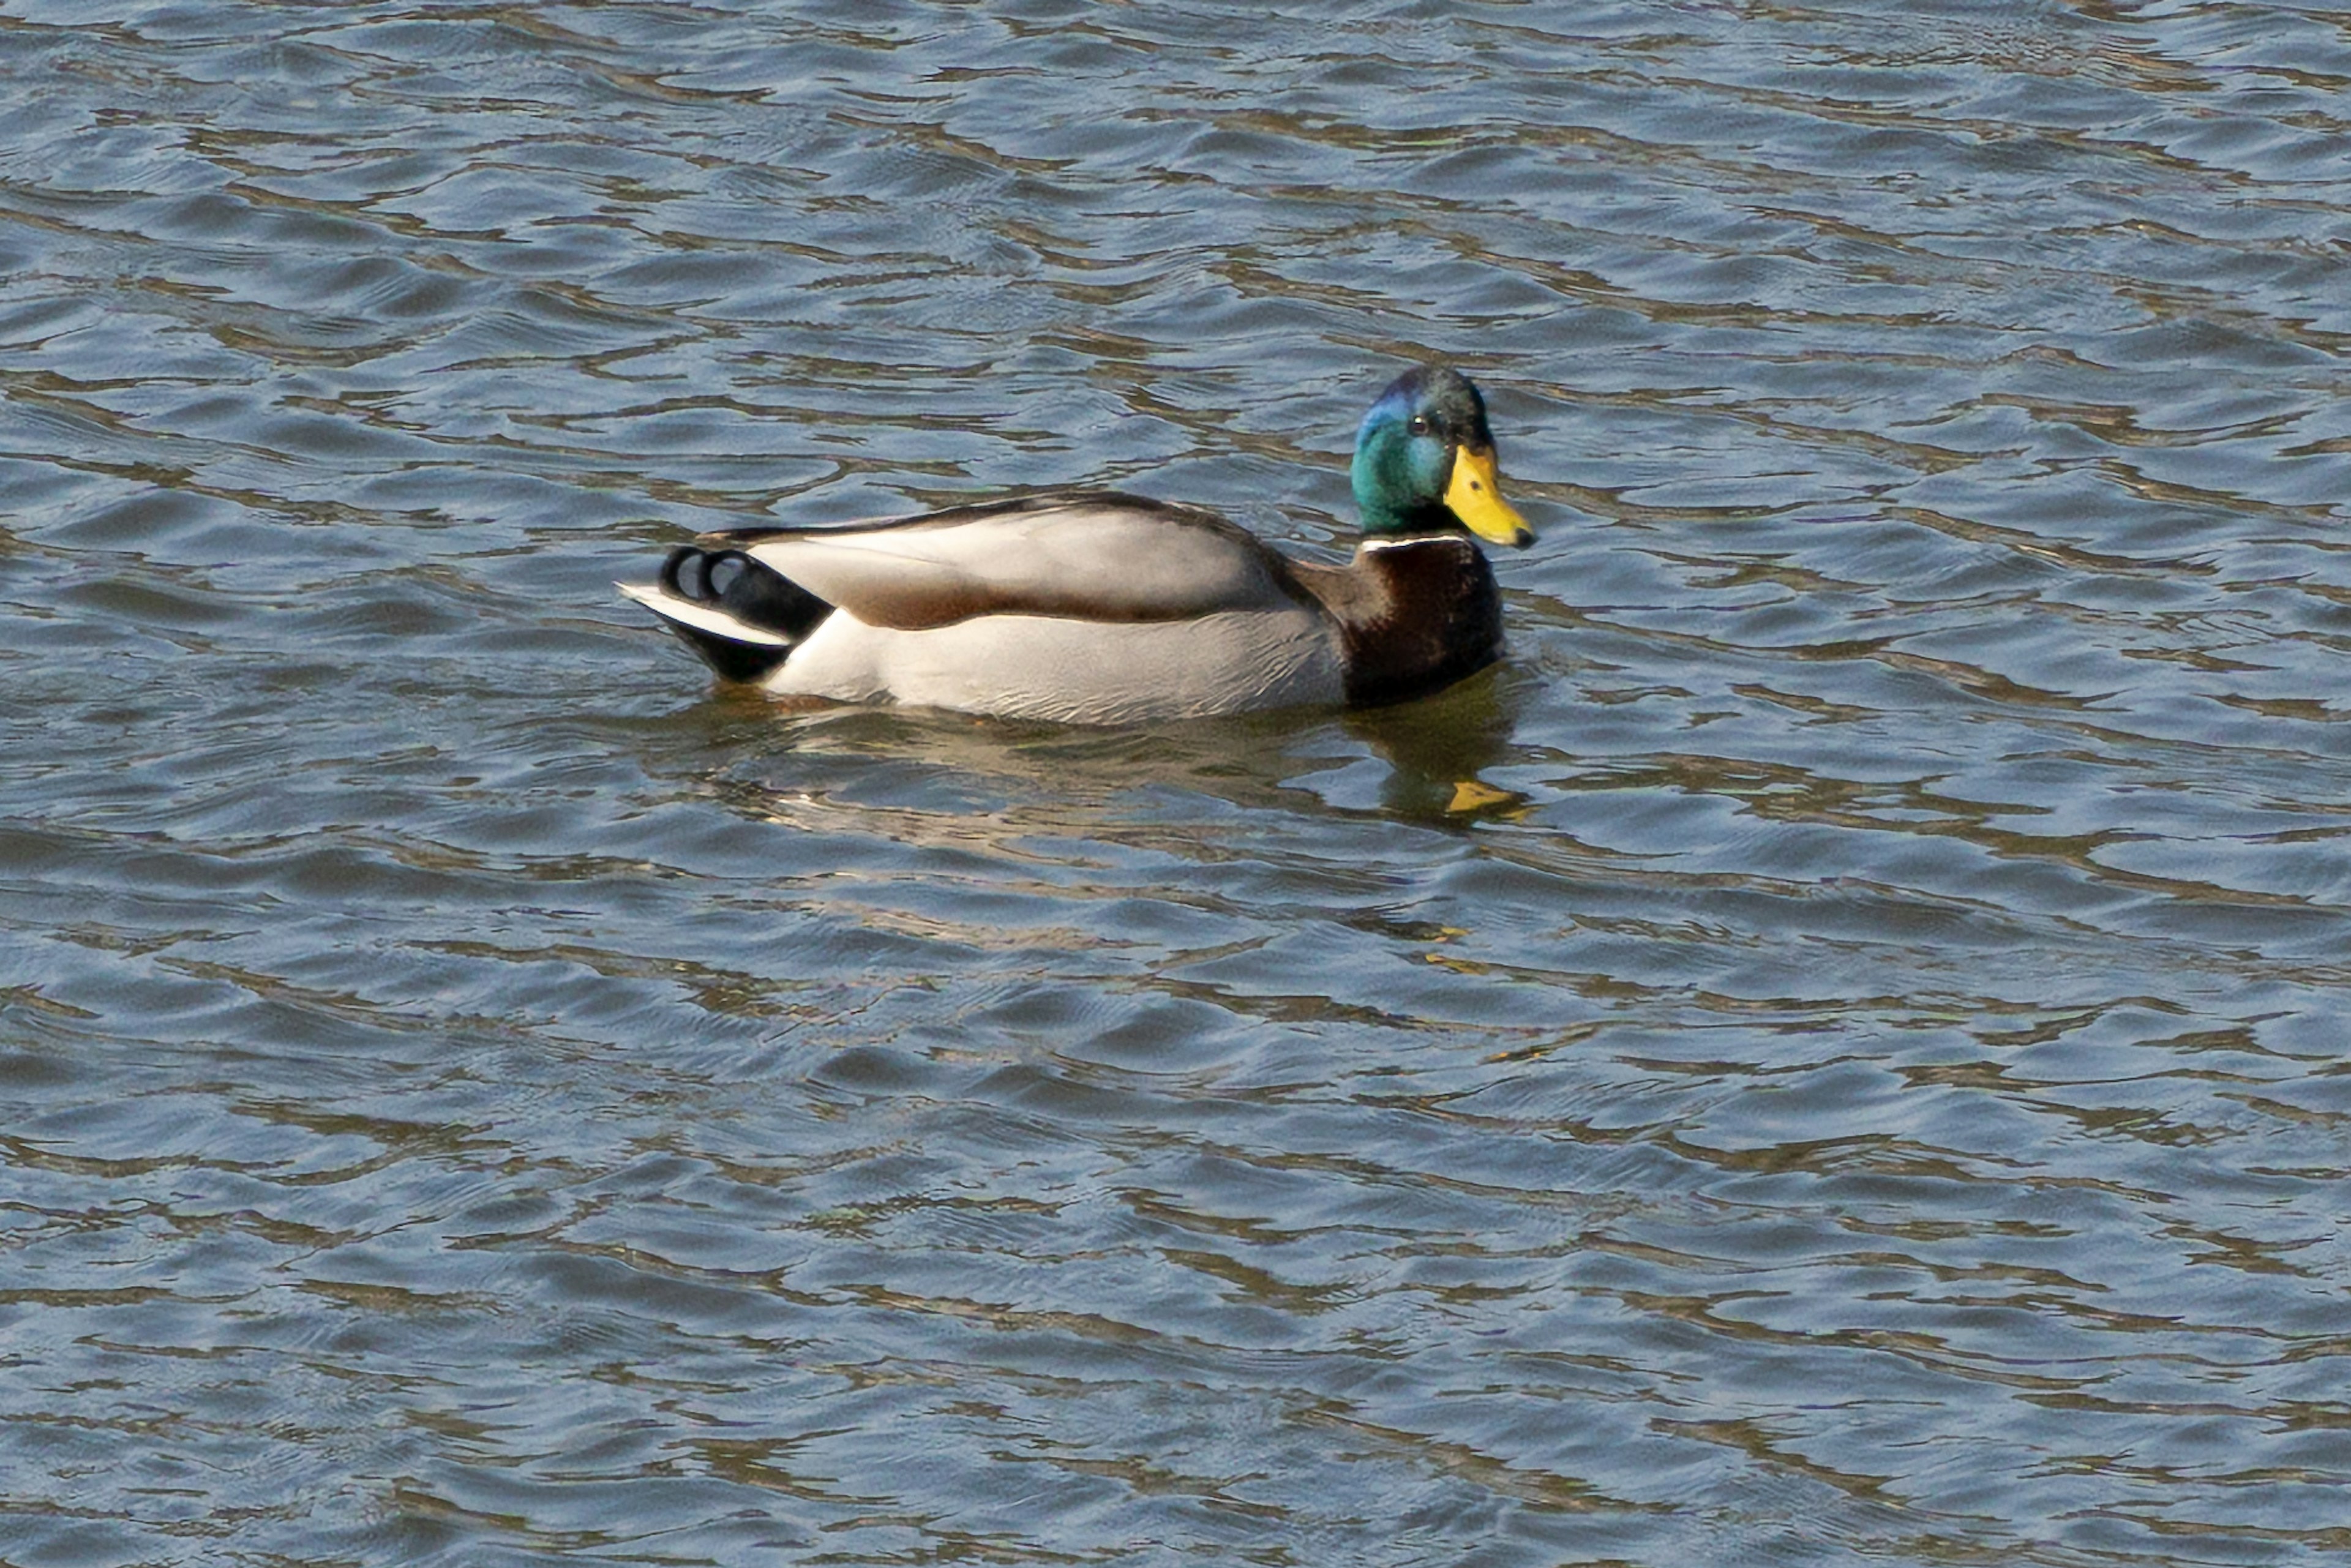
(1098, 607)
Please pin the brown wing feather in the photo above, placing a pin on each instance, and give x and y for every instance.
(1087, 555)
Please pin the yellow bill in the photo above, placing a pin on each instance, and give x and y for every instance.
(1474, 496)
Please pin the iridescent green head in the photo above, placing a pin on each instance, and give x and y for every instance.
(1424, 462)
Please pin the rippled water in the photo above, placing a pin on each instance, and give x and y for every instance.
(1834, 1054)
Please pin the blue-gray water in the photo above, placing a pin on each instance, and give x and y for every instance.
(1835, 1054)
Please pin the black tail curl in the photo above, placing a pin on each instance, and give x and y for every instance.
(757, 595)
(753, 593)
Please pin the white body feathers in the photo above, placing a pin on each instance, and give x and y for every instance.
(1080, 672)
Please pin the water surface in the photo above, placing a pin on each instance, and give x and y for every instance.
(1832, 1054)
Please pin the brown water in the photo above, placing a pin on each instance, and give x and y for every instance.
(1859, 1076)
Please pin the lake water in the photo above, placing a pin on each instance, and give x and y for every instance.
(1834, 1054)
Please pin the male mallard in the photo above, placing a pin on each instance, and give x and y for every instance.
(1095, 607)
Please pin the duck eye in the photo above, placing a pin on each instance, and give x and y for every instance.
(1417, 424)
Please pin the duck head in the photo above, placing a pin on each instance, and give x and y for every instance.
(1424, 462)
